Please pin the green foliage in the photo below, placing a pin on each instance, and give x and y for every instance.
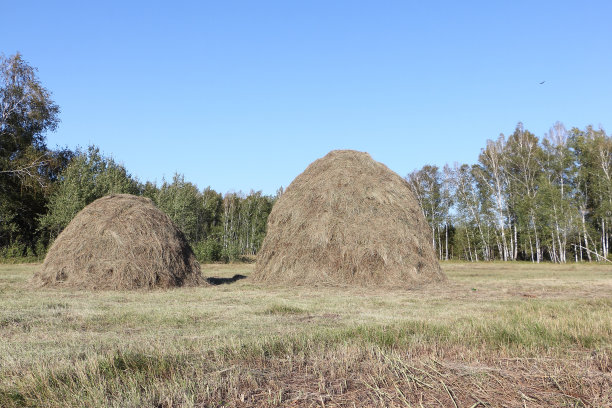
(218, 228)
(27, 168)
(244, 222)
(149, 190)
(15, 250)
(27, 111)
(88, 177)
(183, 202)
(435, 201)
(525, 199)
(208, 250)
(18, 252)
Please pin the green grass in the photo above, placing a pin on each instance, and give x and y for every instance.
(283, 310)
(493, 333)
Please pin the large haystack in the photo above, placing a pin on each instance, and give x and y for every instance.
(120, 242)
(347, 219)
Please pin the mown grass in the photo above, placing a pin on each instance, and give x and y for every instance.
(283, 310)
(517, 334)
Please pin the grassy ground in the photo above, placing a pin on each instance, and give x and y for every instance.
(494, 335)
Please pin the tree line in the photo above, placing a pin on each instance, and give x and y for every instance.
(218, 227)
(525, 199)
(42, 189)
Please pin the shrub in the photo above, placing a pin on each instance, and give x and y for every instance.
(18, 252)
(209, 250)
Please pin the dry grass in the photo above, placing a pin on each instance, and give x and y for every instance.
(347, 219)
(495, 335)
(120, 242)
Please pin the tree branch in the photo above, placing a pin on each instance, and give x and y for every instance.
(592, 252)
(28, 171)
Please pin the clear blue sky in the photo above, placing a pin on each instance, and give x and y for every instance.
(244, 95)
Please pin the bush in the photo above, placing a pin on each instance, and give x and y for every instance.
(41, 249)
(12, 251)
(231, 253)
(18, 252)
(209, 250)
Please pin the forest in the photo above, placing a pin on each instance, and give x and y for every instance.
(526, 198)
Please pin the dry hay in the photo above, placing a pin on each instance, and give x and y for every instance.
(348, 219)
(120, 242)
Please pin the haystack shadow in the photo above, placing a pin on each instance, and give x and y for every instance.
(223, 281)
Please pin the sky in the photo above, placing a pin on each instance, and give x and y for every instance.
(243, 95)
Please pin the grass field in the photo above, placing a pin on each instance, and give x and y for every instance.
(515, 335)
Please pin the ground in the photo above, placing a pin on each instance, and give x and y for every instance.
(495, 334)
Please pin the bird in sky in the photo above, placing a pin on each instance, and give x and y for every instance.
(542, 82)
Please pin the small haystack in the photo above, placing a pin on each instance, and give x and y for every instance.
(120, 242)
(347, 219)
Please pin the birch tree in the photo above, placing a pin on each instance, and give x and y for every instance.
(523, 168)
(493, 175)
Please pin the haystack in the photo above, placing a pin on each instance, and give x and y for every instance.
(347, 219)
(120, 242)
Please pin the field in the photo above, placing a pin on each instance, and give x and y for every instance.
(515, 335)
